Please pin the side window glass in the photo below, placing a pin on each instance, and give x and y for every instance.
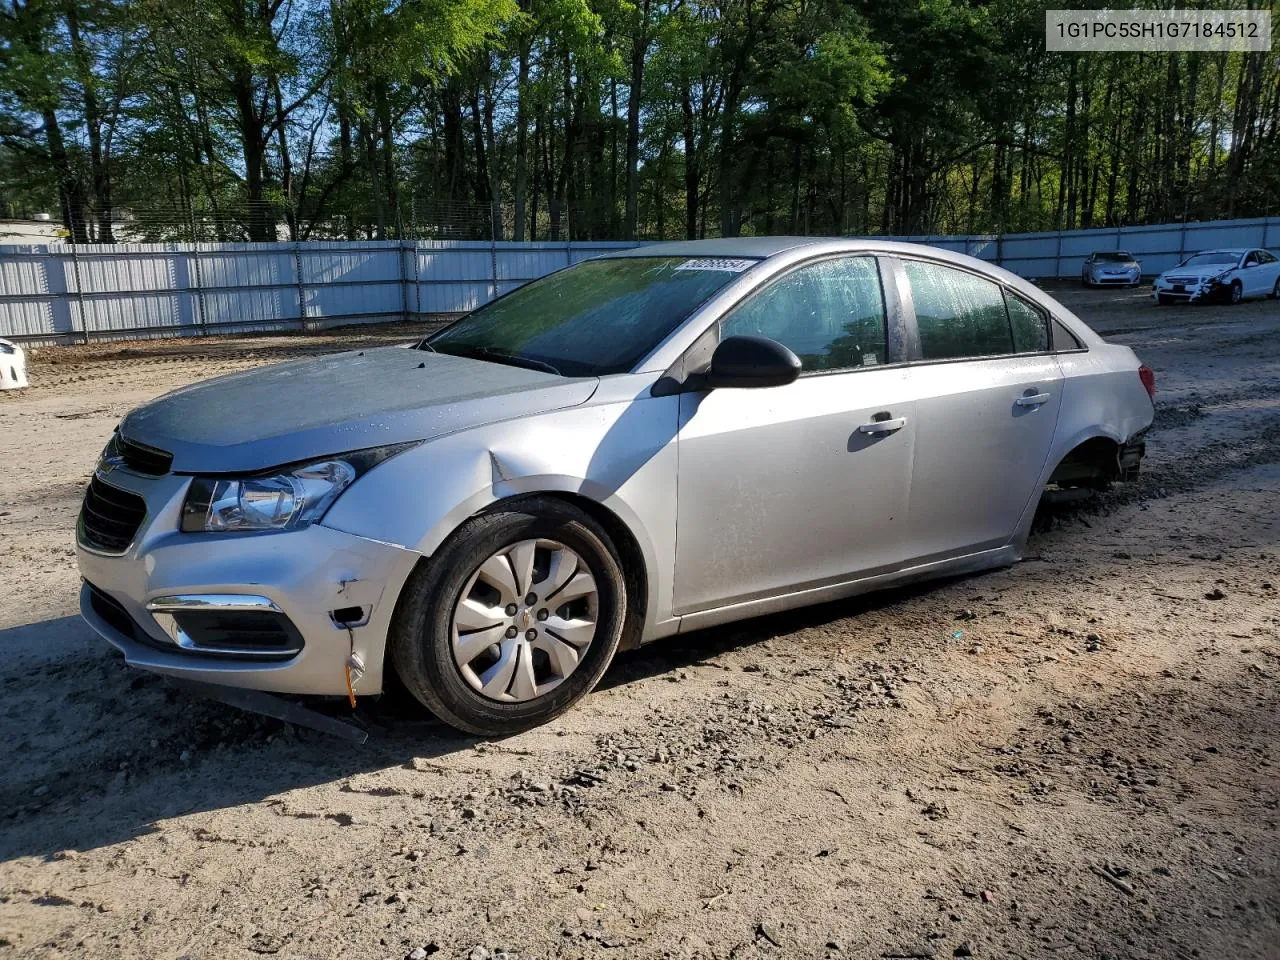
(1265, 257)
(957, 313)
(1251, 259)
(831, 314)
(1030, 326)
(1064, 340)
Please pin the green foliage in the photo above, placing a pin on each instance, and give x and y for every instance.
(230, 119)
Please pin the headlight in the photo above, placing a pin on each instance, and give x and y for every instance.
(284, 499)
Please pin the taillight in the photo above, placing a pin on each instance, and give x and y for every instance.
(1148, 380)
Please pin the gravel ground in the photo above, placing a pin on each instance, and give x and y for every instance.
(1073, 757)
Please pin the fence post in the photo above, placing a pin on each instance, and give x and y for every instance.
(201, 316)
(1182, 242)
(417, 283)
(1057, 262)
(84, 317)
(404, 282)
(302, 287)
(493, 269)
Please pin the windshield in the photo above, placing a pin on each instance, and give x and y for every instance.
(1118, 257)
(596, 318)
(1206, 259)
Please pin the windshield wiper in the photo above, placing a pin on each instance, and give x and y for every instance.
(499, 356)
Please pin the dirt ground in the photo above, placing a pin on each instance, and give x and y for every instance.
(1073, 757)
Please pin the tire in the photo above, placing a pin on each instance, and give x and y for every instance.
(1084, 282)
(420, 642)
(1275, 291)
(1237, 292)
(1163, 299)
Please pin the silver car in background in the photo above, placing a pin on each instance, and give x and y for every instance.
(1110, 268)
(647, 443)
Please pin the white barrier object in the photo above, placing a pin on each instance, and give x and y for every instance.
(13, 366)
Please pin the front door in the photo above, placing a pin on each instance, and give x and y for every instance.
(988, 391)
(784, 488)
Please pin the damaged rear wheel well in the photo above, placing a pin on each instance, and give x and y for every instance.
(1094, 463)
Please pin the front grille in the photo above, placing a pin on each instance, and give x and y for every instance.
(110, 517)
(1183, 279)
(140, 458)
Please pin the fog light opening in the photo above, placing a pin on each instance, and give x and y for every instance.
(348, 617)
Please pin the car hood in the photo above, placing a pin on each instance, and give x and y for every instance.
(1200, 273)
(349, 401)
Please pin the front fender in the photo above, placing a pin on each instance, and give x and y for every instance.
(618, 450)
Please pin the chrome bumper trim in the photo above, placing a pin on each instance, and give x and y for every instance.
(164, 608)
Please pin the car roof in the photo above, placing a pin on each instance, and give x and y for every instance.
(720, 247)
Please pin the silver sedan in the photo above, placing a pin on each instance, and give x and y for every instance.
(643, 444)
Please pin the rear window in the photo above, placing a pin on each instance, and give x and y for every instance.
(1030, 325)
(957, 314)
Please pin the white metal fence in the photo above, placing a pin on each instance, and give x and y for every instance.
(1062, 253)
(164, 289)
(69, 292)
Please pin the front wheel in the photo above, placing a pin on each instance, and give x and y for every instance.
(1237, 291)
(1163, 299)
(1275, 291)
(513, 620)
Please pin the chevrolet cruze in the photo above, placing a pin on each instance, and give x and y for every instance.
(643, 444)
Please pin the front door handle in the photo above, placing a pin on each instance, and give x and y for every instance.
(883, 426)
(1032, 401)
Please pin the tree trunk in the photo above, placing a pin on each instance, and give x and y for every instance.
(99, 175)
(521, 186)
(639, 51)
(730, 222)
(390, 179)
(286, 163)
(691, 172)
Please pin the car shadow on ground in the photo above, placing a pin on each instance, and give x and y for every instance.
(99, 752)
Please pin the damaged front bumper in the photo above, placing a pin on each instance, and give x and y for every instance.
(1209, 291)
(279, 612)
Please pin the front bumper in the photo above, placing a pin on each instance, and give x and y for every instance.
(1190, 292)
(1115, 279)
(307, 574)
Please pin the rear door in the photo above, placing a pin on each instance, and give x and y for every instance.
(987, 392)
(1259, 273)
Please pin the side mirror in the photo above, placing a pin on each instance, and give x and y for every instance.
(752, 362)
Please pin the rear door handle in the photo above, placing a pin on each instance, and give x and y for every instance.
(1032, 401)
(883, 426)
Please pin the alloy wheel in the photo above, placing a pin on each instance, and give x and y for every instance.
(524, 620)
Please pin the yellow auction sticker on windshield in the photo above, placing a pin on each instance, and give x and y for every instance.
(716, 263)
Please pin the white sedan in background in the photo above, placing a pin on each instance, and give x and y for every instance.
(1229, 275)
